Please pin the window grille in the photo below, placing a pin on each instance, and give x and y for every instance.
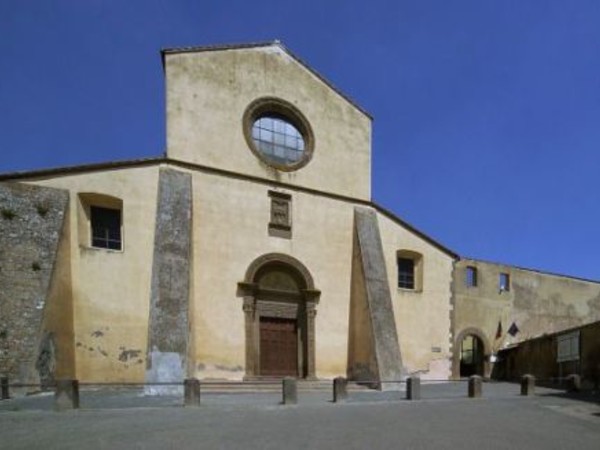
(106, 227)
(406, 273)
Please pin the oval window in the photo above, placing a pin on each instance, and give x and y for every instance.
(278, 134)
(278, 140)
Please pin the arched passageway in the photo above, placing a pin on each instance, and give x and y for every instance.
(472, 356)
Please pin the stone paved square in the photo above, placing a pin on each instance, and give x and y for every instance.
(444, 419)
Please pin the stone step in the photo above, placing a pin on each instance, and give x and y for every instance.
(273, 386)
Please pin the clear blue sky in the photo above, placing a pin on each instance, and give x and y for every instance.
(487, 112)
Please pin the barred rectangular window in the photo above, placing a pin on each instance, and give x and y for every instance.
(406, 273)
(106, 227)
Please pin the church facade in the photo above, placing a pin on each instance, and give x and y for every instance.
(251, 250)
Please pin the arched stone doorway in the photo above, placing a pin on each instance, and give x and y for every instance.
(471, 355)
(280, 309)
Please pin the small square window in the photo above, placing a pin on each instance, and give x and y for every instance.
(504, 282)
(106, 227)
(471, 278)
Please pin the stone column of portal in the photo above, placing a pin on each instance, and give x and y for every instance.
(249, 310)
(311, 313)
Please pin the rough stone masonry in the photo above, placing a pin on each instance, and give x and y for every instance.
(31, 224)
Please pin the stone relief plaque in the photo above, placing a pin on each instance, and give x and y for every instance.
(280, 224)
(280, 212)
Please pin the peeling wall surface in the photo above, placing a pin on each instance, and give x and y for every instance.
(109, 290)
(536, 303)
(31, 225)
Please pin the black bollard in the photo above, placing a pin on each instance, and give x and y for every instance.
(527, 385)
(191, 392)
(573, 383)
(289, 387)
(475, 382)
(413, 388)
(4, 388)
(340, 389)
(66, 395)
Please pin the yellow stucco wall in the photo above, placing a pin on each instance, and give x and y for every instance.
(422, 316)
(231, 219)
(208, 92)
(230, 231)
(58, 315)
(111, 289)
(207, 95)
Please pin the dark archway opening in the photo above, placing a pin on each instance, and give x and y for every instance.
(472, 356)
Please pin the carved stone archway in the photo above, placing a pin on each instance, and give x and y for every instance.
(456, 351)
(279, 286)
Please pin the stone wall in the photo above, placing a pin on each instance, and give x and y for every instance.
(31, 226)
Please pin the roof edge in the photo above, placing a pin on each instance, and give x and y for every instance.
(276, 42)
(19, 175)
(528, 269)
(32, 174)
(552, 335)
(390, 215)
(81, 168)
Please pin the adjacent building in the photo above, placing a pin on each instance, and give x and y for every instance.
(498, 306)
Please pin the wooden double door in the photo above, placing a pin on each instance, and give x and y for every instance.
(278, 347)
